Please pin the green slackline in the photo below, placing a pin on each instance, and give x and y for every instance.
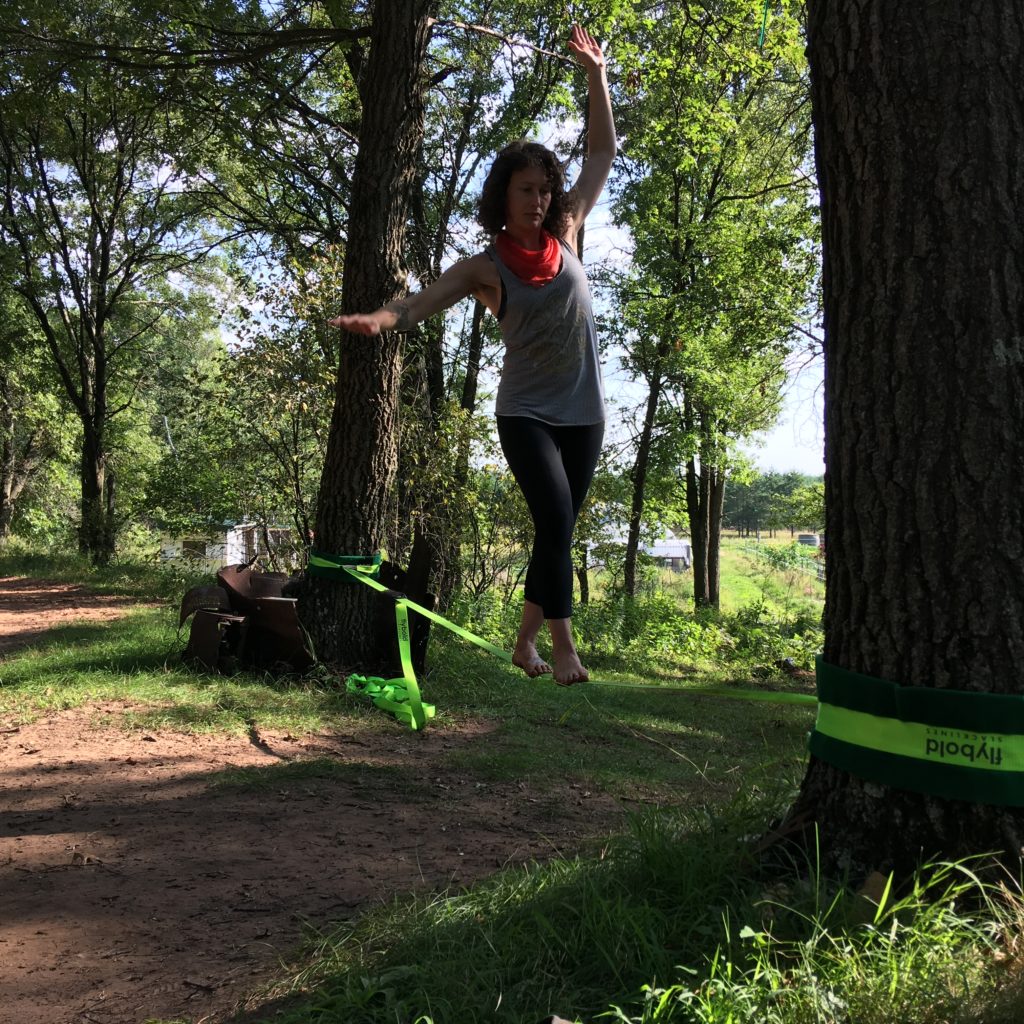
(764, 25)
(336, 567)
(401, 696)
(956, 744)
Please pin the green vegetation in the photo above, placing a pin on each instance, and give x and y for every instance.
(674, 923)
(678, 921)
(631, 742)
(131, 575)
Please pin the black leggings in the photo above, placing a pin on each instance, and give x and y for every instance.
(553, 467)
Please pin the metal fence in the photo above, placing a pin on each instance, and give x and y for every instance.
(800, 563)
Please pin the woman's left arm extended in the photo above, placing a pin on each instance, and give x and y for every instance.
(601, 147)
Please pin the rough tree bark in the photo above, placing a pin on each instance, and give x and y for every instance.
(919, 126)
(638, 479)
(705, 498)
(21, 452)
(356, 506)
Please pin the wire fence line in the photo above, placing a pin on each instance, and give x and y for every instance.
(787, 558)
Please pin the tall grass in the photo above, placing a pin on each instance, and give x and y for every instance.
(673, 924)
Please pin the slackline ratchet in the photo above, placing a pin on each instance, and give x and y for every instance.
(401, 696)
(955, 744)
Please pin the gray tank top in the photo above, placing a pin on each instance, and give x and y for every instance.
(551, 371)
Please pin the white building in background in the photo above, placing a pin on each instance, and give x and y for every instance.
(670, 552)
(228, 544)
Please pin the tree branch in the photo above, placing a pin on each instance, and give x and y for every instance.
(239, 47)
(507, 40)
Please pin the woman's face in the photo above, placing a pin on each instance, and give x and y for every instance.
(527, 200)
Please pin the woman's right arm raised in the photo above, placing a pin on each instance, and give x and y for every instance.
(467, 277)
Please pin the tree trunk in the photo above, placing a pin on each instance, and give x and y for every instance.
(429, 575)
(8, 459)
(467, 403)
(716, 503)
(697, 512)
(96, 535)
(639, 477)
(918, 127)
(582, 573)
(356, 506)
(705, 497)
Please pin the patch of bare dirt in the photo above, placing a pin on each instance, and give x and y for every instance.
(131, 888)
(30, 607)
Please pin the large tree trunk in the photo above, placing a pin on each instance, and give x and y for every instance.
(705, 496)
(12, 476)
(696, 511)
(919, 124)
(97, 532)
(716, 502)
(639, 480)
(356, 506)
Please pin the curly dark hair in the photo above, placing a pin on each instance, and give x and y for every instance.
(515, 157)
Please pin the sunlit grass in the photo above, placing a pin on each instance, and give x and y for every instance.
(672, 923)
(650, 741)
(137, 660)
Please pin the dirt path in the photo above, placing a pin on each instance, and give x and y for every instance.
(132, 888)
(30, 607)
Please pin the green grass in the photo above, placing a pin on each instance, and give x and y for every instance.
(631, 743)
(636, 744)
(746, 580)
(675, 922)
(146, 580)
(669, 924)
(137, 659)
(644, 744)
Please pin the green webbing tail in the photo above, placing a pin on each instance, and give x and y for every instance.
(399, 696)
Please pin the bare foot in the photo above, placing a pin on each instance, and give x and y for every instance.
(569, 669)
(525, 656)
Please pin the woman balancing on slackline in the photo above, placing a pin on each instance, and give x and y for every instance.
(550, 403)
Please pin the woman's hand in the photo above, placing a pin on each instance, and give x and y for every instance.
(358, 323)
(586, 47)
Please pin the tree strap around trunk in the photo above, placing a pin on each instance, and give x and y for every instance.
(336, 567)
(955, 744)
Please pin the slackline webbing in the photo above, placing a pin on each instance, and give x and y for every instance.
(335, 567)
(401, 696)
(956, 744)
(764, 25)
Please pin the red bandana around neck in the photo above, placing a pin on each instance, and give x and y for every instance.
(531, 266)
